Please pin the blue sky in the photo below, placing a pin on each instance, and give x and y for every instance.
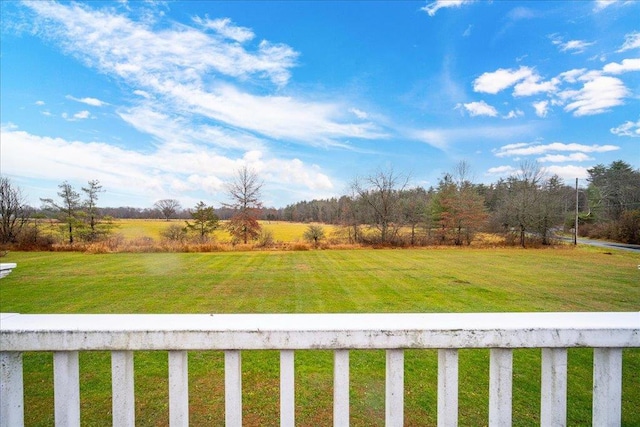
(162, 99)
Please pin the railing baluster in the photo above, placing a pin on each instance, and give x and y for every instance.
(607, 386)
(11, 389)
(66, 388)
(553, 396)
(394, 389)
(233, 388)
(500, 386)
(178, 388)
(341, 388)
(287, 388)
(447, 387)
(122, 388)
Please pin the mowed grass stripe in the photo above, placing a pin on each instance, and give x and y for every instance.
(441, 280)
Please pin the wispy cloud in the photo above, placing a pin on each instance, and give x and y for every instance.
(626, 66)
(631, 41)
(432, 7)
(226, 28)
(629, 128)
(171, 170)
(562, 158)
(480, 108)
(116, 44)
(541, 108)
(503, 78)
(444, 138)
(528, 149)
(571, 46)
(94, 102)
(178, 66)
(598, 95)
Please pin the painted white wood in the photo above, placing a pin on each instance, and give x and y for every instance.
(607, 386)
(65, 335)
(447, 388)
(500, 387)
(553, 395)
(341, 388)
(122, 389)
(394, 389)
(178, 389)
(66, 388)
(11, 390)
(233, 388)
(6, 268)
(287, 389)
(34, 332)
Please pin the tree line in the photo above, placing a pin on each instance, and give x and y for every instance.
(526, 207)
(381, 209)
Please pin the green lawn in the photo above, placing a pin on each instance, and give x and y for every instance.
(437, 280)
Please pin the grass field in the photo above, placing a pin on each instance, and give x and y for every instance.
(282, 231)
(437, 280)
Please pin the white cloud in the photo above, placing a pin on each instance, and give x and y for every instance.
(132, 50)
(494, 82)
(480, 108)
(602, 4)
(572, 76)
(514, 114)
(501, 171)
(433, 7)
(359, 113)
(39, 103)
(80, 115)
(532, 86)
(627, 129)
(561, 158)
(226, 28)
(526, 149)
(625, 66)
(89, 101)
(572, 46)
(172, 169)
(631, 41)
(541, 107)
(177, 66)
(142, 93)
(598, 95)
(568, 172)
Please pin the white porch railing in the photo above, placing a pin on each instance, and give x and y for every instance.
(6, 268)
(66, 335)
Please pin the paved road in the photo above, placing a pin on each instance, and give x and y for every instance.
(609, 245)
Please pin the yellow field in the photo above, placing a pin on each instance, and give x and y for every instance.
(282, 231)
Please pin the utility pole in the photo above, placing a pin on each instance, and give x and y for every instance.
(575, 228)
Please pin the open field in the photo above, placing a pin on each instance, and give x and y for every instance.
(438, 280)
(282, 231)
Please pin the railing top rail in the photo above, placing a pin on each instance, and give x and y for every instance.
(59, 332)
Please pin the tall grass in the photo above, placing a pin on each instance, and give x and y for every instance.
(357, 281)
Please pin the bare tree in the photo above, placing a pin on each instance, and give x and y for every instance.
(245, 194)
(522, 198)
(380, 193)
(68, 208)
(168, 207)
(13, 211)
